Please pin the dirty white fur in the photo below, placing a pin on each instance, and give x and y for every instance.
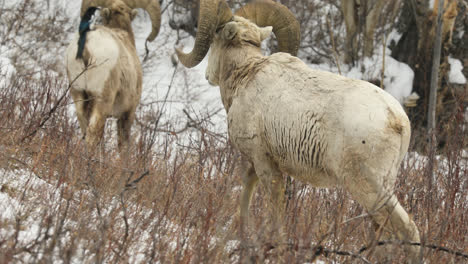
(105, 55)
(107, 82)
(316, 126)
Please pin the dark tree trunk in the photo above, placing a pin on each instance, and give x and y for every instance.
(415, 47)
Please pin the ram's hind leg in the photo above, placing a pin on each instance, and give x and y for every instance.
(124, 125)
(391, 219)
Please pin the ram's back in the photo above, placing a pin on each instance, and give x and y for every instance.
(106, 56)
(313, 120)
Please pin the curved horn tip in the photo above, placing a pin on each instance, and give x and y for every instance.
(185, 58)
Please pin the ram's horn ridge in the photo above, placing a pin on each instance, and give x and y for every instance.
(285, 26)
(213, 13)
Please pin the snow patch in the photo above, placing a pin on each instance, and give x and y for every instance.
(456, 71)
(6, 67)
(397, 80)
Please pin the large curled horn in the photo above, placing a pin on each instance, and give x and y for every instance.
(151, 6)
(285, 25)
(153, 9)
(213, 13)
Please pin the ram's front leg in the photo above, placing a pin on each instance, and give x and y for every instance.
(124, 125)
(271, 177)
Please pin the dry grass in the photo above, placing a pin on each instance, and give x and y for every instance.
(176, 200)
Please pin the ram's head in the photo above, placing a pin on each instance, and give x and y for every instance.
(118, 15)
(216, 14)
(122, 9)
(238, 34)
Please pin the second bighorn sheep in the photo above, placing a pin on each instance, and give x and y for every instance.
(106, 71)
(316, 126)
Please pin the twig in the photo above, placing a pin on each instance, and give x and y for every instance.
(382, 74)
(320, 250)
(137, 180)
(146, 51)
(161, 111)
(335, 55)
(409, 243)
(54, 108)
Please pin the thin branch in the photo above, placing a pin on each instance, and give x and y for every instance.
(54, 108)
(335, 53)
(408, 243)
(137, 180)
(320, 250)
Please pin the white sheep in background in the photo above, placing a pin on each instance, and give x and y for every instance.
(111, 85)
(316, 126)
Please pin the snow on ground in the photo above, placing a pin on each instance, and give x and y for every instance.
(25, 197)
(397, 80)
(20, 194)
(6, 68)
(456, 71)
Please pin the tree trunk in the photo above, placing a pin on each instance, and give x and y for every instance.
(373, 14)
(417, 25)
(431, 116)
(361, 18)
(350, 9)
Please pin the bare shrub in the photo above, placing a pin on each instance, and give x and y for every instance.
(33, 35)
(176, 201)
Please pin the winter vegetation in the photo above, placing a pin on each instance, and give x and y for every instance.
(177, 198)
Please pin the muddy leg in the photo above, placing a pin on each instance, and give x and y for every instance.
(96, 126)
(389, 215)
(81, 105)
(124, 125)
(272, 178)
(249, 182)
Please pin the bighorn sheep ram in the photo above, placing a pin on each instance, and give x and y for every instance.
(318, 127)
(106, 72)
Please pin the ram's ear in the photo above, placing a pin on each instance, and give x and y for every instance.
(105, 12)
(230, 30)
(133, 14)
(265, 32)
